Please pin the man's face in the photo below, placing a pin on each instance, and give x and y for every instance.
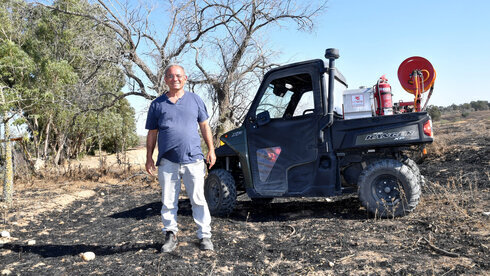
(175, 78)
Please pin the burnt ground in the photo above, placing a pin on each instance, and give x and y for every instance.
(54, 219)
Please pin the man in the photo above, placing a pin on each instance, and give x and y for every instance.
(173, 119)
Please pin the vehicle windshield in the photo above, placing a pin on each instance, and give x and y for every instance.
(288, 97)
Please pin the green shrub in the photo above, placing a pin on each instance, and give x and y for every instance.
(434, 112)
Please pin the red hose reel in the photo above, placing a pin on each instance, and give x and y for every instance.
(417, 75)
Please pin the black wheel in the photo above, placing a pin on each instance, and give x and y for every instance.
(388, 188)
(220, 192)
(415, 168)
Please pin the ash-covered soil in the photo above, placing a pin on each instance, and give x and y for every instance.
(53, 220)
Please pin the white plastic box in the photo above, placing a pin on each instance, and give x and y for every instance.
(358, 103)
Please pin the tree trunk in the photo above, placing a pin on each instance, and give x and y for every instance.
(36, 136)
(224, 122)
(61, 145)
(101, 159)
(224, 107)
(8, 185)
(46, 139)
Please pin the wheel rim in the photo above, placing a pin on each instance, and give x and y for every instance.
(386, 189)
(213, 192)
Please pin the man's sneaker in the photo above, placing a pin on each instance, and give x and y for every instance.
(206, 244)
(170, 242)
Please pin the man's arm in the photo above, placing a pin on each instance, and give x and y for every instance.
(151, 141)
(208, 139)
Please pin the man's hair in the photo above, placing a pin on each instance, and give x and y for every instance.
(172, 65)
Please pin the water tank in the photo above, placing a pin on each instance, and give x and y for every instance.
(358, 103)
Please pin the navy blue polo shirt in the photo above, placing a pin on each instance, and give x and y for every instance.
(177, 124)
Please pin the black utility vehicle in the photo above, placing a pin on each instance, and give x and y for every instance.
(293, 144)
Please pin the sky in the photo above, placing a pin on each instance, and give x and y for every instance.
(374, 37)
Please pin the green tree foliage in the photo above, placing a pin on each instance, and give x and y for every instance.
(466, 108)
(72, 95)
(16, 66)
(120, 130)
(434, 112)
(479, 105)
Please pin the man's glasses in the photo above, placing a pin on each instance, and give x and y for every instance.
(174, 76)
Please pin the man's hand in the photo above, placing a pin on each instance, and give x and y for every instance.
(211, 158)
(150, 166)
(151, 141)
(208, 138)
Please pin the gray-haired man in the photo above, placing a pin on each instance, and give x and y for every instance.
(173, 119)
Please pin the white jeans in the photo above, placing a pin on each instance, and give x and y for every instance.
(169, 176)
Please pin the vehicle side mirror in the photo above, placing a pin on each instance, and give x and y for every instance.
(263, 118)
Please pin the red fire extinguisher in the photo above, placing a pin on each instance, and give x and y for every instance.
(382, 97)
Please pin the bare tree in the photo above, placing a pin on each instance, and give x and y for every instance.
(146, 52)
(229, 28)
(239, 54)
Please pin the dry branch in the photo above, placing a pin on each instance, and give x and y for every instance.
(441, 251)
(293, 231)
